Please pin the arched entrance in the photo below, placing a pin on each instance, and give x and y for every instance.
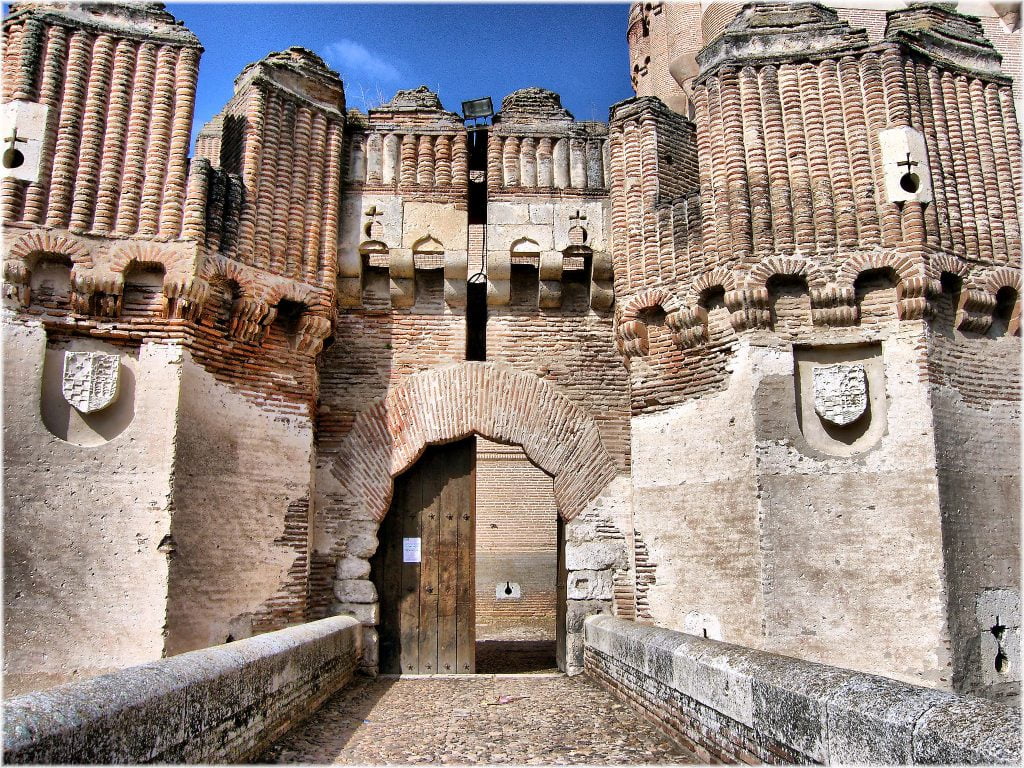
(444, 405)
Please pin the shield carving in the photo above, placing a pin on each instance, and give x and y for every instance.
(90, 380)
(840, 393)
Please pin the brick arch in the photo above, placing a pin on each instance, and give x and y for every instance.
(300, 293)
(178, 265)
(631, 331)
(905, 267)
(218, 268)
(786, 267)
(649, 299)
(461, 399)
(1003, 277)
(35, 245)
(940, 263)
(719, 277)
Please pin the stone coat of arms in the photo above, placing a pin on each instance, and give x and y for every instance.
(90, 380)
(840, 393)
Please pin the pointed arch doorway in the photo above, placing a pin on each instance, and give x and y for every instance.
(437, 408)
(468, 570)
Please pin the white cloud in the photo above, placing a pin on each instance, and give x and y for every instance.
(354, 61)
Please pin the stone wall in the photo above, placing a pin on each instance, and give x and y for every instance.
(251, 691)
(88, 509)
(733, 704)
(775, 537)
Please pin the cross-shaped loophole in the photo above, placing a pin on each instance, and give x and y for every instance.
(1002, 660)
(374, 213)
(909, 181)
(13, 157)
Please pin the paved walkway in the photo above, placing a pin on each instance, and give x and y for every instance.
(558, 721)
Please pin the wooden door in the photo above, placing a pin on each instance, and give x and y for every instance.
(427, 610)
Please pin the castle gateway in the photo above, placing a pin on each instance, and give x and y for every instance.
(742, 362)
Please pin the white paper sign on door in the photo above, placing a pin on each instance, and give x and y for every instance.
(410, 550)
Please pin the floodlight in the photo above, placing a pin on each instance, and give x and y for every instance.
(477, 108)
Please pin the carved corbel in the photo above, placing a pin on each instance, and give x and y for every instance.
(456, 273)
(633, 340)
(16, 282)
(602, 294)
(402, 272)
(184, 298)
(250, 319)
(96, 292)
(350, 284)
(749, 308)
(913, 298)
(312, 331)
(499, 278)
(833, 306)
(689, 326)
(550, 278)
(976, 311)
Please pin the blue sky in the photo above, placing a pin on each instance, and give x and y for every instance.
(463, 51)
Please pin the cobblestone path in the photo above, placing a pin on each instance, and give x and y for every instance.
(560, 721)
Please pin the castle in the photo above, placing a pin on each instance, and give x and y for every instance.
(744, 360)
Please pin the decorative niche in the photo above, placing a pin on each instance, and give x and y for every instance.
(840, 397)
(87, 397)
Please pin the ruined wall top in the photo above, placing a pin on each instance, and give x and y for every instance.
(780, 31)
(949, 38)
(532, 105)
(300, 72)
(413, 99)
(539, 112)
(416, 107)
(141, 21)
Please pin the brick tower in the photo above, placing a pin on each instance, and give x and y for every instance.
(857, 247)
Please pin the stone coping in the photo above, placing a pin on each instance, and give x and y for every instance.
(828, 714)
(219, 704)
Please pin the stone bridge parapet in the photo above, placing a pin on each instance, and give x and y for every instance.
(733, 704)
(217, 705)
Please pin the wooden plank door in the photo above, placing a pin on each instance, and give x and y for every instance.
(427, 621)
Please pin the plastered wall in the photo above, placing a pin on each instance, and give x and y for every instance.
(975, 399)
(763, 537)
(694, 502)
(240, 532)
(85, 572)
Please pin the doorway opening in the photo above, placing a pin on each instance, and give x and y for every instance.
(468, 572)
(517, 546)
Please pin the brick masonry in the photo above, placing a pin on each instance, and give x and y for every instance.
(291, 311)
(516, 543)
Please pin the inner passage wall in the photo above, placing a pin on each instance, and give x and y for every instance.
(516, 546)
